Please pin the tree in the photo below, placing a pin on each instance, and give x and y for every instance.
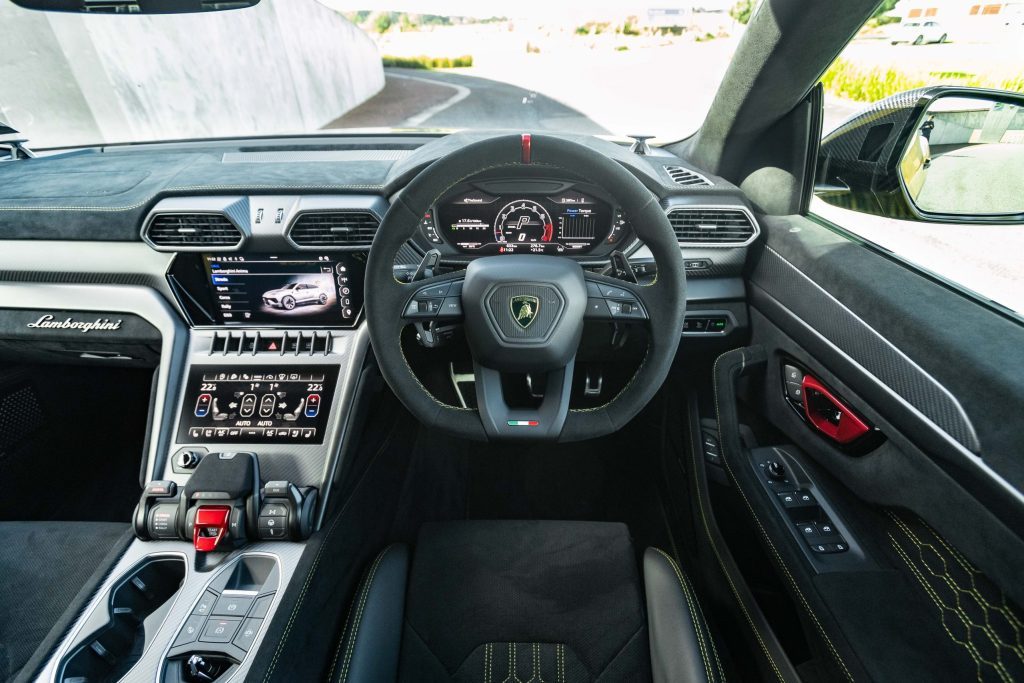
(383, 23)
(743, 10)
(886, 6)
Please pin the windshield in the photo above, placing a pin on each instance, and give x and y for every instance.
(302, 66)
(322, 66)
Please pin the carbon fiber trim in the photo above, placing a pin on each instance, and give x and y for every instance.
(838, 324)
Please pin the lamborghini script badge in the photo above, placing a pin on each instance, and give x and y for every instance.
(524, 309)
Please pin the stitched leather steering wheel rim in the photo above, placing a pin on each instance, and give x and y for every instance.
(386, 297)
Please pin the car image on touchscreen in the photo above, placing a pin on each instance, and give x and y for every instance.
(305, 290)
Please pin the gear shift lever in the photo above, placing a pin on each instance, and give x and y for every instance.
(219, 504)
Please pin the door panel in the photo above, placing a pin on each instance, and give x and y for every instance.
(928, 512)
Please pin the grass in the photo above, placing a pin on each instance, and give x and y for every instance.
(424, 62)
(846, 79)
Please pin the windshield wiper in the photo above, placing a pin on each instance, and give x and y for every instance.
(13, 143)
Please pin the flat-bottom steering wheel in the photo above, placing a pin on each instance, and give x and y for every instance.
(525, 313)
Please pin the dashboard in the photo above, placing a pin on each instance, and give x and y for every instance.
(549, 216)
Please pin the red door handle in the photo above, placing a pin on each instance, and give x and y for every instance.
(829, 415)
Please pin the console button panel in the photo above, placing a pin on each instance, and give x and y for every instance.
(226, 621)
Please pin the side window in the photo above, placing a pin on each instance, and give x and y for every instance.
(923, 147)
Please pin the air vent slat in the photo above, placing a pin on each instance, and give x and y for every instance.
(711, 226)
(192, 230)
(684, 176)
(334, 228)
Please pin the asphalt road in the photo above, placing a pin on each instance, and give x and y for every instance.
(414, 98)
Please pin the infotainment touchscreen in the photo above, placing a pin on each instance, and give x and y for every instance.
(257, 404)
(295, 290)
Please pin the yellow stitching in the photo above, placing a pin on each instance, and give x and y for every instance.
(536, 673)
(928, 590)
(341, 641)
(698, 618)
(693, 612)
(487, 663)
(560, 659)
(350, 650)
(771, 546)
(1003, 608)
(725, 573)
(957, 609)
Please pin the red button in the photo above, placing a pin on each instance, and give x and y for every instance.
(210, 527)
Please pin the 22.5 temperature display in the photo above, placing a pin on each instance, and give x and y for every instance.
(264, 404)
(570, 222)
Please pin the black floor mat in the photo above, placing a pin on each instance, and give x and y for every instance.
(71, 441)
(610, 479)
(44, 565)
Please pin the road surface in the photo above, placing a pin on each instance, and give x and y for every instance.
(414, 98)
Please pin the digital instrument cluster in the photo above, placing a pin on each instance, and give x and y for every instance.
(259, 404)
(569, 222)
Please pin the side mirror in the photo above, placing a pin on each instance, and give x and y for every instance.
(939, 154)
(134, 6)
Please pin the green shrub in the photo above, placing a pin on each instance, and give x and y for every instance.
(424, 62)
(861, 84)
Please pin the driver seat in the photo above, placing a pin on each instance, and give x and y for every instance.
(527, 601)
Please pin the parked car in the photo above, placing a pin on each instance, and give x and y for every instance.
(920, 32)
(295, 294)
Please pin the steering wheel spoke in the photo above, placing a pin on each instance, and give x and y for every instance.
(541, 423)
(437, 300)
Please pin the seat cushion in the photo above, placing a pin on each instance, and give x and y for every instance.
(553, 601)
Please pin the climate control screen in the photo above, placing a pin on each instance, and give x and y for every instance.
(260, 404)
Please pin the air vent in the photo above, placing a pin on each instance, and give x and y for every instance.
(684, 176)
(279, 344)
(726, 227)
(334, 229)
(192, 230)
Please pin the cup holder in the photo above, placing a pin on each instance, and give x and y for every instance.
(117, 636)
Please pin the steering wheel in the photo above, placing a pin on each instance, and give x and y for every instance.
(524, 313)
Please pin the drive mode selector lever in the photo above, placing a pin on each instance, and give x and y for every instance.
(218, 504)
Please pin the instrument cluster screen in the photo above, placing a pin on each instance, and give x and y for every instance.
(295, 290)
(259, 404)
(570, 222)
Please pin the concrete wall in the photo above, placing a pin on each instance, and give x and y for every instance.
(282, 66)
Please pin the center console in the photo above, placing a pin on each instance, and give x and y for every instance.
(258, 402)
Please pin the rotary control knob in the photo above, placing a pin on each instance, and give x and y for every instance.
(188, 459)
(776, 470)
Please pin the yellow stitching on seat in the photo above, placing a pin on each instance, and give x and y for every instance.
(764, 532)
(698, 619)
(721, 564)
(958, 610)
(693, 611)
(537, 672)
(350, 649)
